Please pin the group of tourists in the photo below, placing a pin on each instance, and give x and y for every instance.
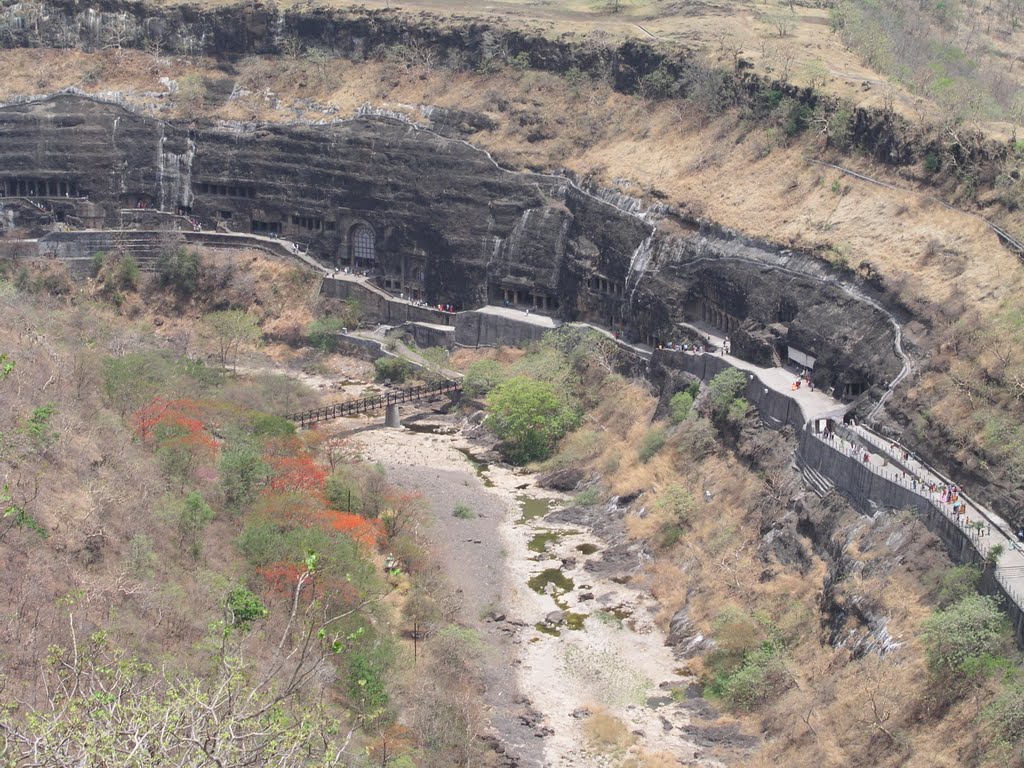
(805, 378)
(693, 349)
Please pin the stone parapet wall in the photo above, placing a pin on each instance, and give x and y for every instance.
(868, 491)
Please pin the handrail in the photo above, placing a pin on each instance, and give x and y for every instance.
(905, 478)
(374, 402)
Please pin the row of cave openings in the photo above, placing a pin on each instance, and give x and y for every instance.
(48, 188)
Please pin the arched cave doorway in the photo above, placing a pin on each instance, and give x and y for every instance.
(362, 246)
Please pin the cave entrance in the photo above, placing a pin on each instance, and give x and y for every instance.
(521, 297)
(362, 247)
(711, 313)
(854, 388)
(38, 188)
(272, 228)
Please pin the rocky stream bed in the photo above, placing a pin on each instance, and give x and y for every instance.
(546, 584)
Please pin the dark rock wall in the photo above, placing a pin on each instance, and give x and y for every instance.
(447, 222)
(359, 33)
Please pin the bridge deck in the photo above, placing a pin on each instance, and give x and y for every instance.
(375, 402)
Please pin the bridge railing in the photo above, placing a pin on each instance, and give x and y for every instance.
(374, 402)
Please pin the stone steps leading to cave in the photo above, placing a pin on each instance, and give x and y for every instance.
(813, 479)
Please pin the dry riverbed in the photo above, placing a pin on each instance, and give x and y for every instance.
(562, 643)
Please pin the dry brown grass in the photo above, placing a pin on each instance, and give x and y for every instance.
(607, 734)
(839, 711)
(603, 135)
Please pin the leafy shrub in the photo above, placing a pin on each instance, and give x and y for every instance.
(393, 369)
(677, 503)
(652, 442)
(1006, 715)
(659, 84)
(796, 116)
(738, 409)
(463, 512)
(482, 376)
(242, 474)
(343, 491)
(322, 334)
(244, 608)
(127, 275)
(588, 497)
(38, 428)
(966, 641)
(530, 417)
(680, 406)
(749, 662)
(180, 270)
(269, 425)
(193, 516)
(366, 681)
(726, 387)
(763, 675)
(957, 583)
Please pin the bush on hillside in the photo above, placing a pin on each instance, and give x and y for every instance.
(966, 642)
(680, 406)
(322, 334)
(393, 369)
(652, 442)
(482, 376)
(530, 417)
(957, 583)
(179, 270)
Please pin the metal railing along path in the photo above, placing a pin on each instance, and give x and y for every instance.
(985, 531)
(375, 402)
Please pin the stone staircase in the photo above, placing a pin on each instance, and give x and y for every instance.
(813, 479)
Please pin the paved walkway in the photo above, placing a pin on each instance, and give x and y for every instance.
(814, 404)
(985, 528)
(514, 313)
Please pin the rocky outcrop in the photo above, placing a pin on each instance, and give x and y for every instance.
(437, 219)
(358, 33)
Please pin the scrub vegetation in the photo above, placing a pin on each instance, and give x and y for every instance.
(189, 576)
(927, 672)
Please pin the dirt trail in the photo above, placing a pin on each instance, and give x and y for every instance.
(542, 678)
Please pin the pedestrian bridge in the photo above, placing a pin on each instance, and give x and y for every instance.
(376, 402)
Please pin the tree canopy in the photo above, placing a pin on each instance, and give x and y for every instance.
(530, 417)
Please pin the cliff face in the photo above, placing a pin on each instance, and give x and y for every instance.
(358, 34)
(437, 219)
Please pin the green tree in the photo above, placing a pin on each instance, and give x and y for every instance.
(243, 473)
(393, 369)
(180, 270)
(652, 442)
(482, 376)
(343, 491)
(38, 428)
(243, 608)
(131, 381)
(193, 515)
(322, 333)
(966, 641)
(957, 583)
(680, 406)
(530, 417)
(726, 387)
(230, 329)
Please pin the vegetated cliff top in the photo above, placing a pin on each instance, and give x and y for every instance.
(943, 62)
